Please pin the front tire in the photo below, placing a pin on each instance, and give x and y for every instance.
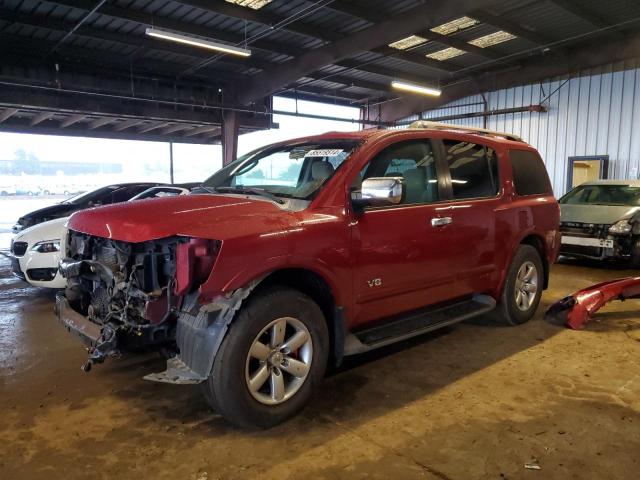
(271, 360)
(522, 289)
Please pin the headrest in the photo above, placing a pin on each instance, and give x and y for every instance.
(321, 170)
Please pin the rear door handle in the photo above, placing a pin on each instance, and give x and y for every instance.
(441, 221)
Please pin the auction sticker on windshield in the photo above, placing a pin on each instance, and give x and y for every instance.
(327, 152)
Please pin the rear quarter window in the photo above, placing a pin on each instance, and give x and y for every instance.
(529, 173)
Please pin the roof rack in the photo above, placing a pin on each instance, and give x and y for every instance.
(464, 128)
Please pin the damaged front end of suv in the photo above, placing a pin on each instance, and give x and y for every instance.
(124, 296)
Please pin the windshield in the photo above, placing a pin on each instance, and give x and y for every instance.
(612, 195)
(92, 196)
(290, 171)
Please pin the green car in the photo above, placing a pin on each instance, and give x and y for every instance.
(601, 220)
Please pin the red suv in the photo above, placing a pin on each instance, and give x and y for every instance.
(302, 252)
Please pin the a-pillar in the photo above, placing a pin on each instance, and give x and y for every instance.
(230, 124)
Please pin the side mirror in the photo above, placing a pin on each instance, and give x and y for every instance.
(379, 192)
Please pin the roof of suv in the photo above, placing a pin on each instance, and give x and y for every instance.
(487, 136)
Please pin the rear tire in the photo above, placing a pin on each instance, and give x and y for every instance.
(522, 289)
(261, 375)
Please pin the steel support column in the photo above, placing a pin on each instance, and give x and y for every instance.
(171, 162)
(230, 125)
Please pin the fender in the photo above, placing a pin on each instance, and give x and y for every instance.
(518, 240)
(202, 325)
(340, 288)
(199, 334)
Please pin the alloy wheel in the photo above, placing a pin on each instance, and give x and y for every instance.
(526, 286)
(279, 361)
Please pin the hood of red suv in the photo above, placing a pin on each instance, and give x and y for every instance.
(203, 216)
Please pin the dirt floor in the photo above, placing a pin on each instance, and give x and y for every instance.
(473, 401)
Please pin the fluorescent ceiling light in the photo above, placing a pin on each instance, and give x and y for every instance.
(412, 87)
(197, 42)
(445, 54)
(455, 25)
(492, 39)
(408, 42)
(255, 4)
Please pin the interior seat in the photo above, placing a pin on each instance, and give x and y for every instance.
(417, 188)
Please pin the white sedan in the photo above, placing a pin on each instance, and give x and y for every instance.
(35, 251)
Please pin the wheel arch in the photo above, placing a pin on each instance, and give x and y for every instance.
(537, 242)
(316, 287)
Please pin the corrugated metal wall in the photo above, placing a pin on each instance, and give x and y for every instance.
(594, 114)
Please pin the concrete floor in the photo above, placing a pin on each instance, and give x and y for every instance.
(474, 401)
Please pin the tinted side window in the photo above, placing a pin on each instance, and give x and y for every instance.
(529, 173)
(412, 160)
(474, 169)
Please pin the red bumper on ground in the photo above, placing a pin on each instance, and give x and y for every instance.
(577, 309)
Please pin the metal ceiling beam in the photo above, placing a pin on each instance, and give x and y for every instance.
(19, 50)
(553, 64)
(90, 32)
(390, 73)
(431, 14)
(175, 128)
(581, 12)
(39, 118)
(311, 94)
(122, 126)
(205, 129)
(146, 19)
(72, 120)
(81, 22)
(153, 126)
(346, 81)
(354, 11)
(331, 95)
(8, 113)
(262, 17)
(100, 122)
(268, 19)
(40, 21)
(509, 26)
(16, 127)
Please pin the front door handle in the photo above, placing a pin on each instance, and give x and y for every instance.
(441, 221)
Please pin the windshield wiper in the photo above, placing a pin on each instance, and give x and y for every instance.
(248, 190)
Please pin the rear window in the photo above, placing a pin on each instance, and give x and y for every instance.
(529, 173)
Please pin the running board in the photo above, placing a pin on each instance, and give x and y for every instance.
(415, 324)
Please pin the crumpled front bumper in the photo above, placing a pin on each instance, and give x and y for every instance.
(77, 323)
(577, 309)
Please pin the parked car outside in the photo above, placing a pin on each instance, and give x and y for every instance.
(29, 191)
(7, 190)
(35, 251)
(101, 196)
(257, 286)
(601, 220)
